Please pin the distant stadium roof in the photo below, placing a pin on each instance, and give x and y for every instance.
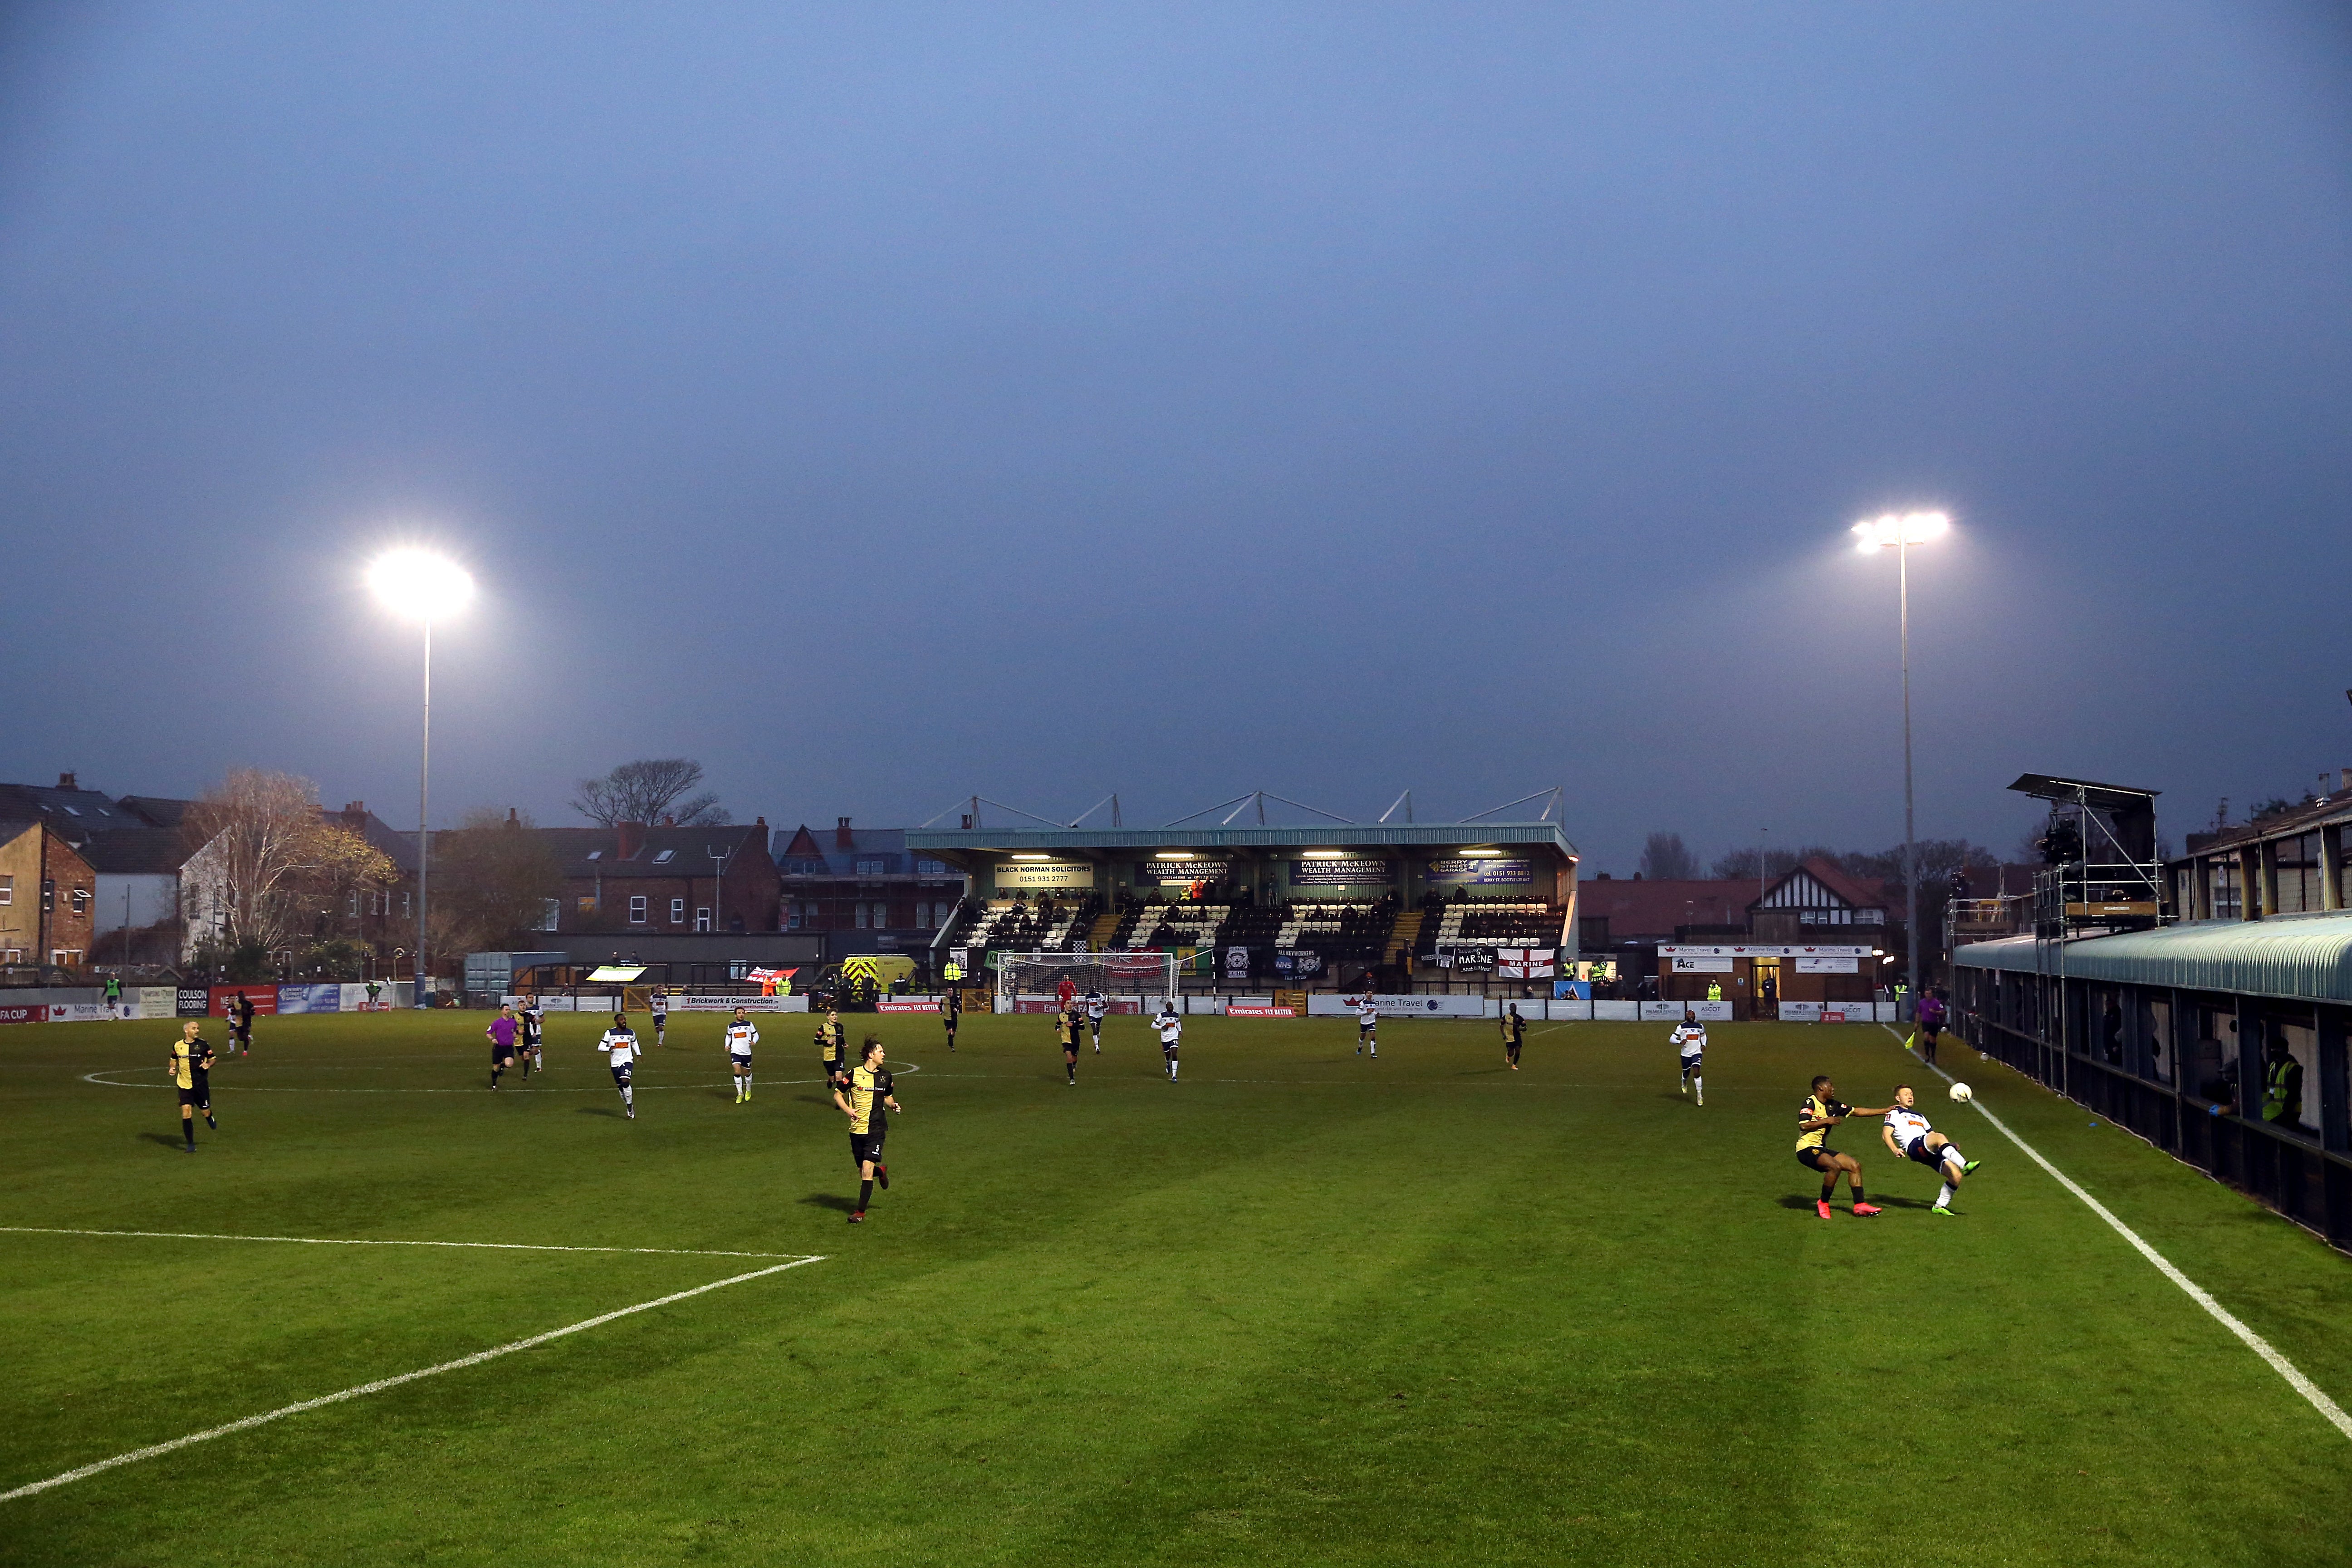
(622, 973)
(1336, 836)
(2306, 958)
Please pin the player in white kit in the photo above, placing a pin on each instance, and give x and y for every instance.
(1170, 1026)
(742, 1035)
(1906, 1132)
(660, 1006)
(1690, 1039)
(1368, 1022)
(620, 1048)
(1096, 1007)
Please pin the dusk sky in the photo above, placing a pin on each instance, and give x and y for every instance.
(884, 404)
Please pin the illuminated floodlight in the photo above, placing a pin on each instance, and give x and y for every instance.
(419, 585)
(1032, 856)
(1175, 855)
(1481, 853)
(1324, 854)
(1899, 528)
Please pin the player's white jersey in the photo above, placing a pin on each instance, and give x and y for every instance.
(742, 1038)
(1368, 1013)
(1690, 1038)
(1907, 1125)
(660, 1005)
(619, 1046)
(1096, 1005)
(1170, 1026)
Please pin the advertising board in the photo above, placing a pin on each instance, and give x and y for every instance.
(1233, 1012)
(1702, 965)
(155, 1001)
(704, 1002)
(1829, 965)
(1418, 1005)
(24, 1013)
(1478, 873)
(1032, 874)
(192, 1001)
(1341, 873)
(311, 998)
(263, 997)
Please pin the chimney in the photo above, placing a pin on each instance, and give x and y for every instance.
(2346, 784)
(66, 781)
(513, 821)
(669, 821)
(633, 839)
(761, 822)
(842, 837)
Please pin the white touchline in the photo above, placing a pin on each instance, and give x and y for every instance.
(2222, 1315)
(380, 1385)
(372, 1241)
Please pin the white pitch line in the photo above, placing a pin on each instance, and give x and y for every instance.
(2327, 1407)
(380, 1385)
(372, 1241)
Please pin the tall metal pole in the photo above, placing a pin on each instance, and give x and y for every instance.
(424, 816)
(1910, 848)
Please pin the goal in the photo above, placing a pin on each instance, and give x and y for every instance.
(1136, 981)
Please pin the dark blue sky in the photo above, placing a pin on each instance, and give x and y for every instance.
(884, 404)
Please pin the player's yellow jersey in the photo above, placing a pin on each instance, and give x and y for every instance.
(183, 1064)
(868, 1087)
(1814, 1110)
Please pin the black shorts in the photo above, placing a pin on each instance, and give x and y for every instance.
(500, 1053)
(1816, 1159)
(1363, 1028)
(1931, 1030)
(1918, 1150)
(865, 1146)
(1070, 1047)
(192, 1097)
(621, 1076)
(1096, 1025)
(741, 1059)
(1169, 1050)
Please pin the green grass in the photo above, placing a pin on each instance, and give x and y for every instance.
(1300, 1307)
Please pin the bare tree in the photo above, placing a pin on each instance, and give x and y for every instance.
(271, 860)
(1741, 864)
(492, 877)
(1667, 858)
(649, 789)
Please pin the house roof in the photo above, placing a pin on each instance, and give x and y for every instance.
(2302, 818)
(76, 812)
(163, 811)
(1640, 908)
(136, 851)
(1840, 884)
(824, 847)
(595, 852)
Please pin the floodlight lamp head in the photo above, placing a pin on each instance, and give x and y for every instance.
(419, 585)
(1899, 528)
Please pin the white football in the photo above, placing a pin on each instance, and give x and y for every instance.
(1963, 1093)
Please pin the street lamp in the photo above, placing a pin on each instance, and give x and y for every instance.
(421, 586)
(1902, 532)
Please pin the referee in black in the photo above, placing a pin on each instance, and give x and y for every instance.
(191, 1063)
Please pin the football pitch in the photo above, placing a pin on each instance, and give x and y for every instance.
(1299, 1306)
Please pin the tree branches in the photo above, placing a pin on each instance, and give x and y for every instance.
(649, 789)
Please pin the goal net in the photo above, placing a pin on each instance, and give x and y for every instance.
(1133, 981)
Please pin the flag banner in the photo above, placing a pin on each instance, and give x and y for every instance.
(1523, 962)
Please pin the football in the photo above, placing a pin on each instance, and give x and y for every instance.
(1963, 1093)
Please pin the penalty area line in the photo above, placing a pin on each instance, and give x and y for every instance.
(376, 1241)
(2312, 1392)
(379, 1386)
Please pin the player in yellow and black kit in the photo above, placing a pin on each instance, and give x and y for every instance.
(1069, 1021)
(1820, 1112)
(951, 1013)
(832, 1050)
(190, 1065)
(867, 1102)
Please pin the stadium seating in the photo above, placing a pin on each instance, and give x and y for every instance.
(1044, 927)
(1490, 922)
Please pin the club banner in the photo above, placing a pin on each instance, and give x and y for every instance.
(1341, 873)
(1299, 963)
(1478, 873)
(1571, 990)
(1523, 962)
(1237, 963)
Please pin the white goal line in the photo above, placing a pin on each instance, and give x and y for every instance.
(380, 1385)
(372, 1241)
(2327, 1407)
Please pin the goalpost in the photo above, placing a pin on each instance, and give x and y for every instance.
(1145, 974)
